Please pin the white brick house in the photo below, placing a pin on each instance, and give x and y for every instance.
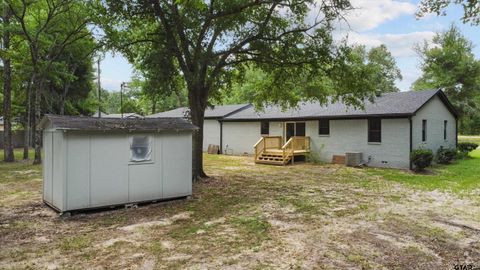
(385, 131)
(212, 122)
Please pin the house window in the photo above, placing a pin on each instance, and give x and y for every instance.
(264, 128)
(424, 130)
(323, 127)
(375, 130)
(140, 148)
(445, 129)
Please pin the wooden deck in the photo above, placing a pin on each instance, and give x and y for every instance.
(269, 149)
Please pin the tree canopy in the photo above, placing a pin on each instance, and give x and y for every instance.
(51, 58)
(471, 9)
(449, 63)
(211, 44)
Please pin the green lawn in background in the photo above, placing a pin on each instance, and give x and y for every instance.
(460, 176)
(474, 139)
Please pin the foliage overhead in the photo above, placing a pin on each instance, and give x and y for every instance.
(210, 45)
(449, 63)
(51, 52)
(471, 9)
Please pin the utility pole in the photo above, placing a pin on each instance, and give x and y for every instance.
(99, 89)
(121, 97)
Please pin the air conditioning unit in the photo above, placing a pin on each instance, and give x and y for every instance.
(353, 159)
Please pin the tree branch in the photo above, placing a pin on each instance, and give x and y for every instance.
(170, 37)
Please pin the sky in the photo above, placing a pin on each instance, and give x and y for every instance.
(372, 23)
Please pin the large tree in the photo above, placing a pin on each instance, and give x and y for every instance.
(471, 9)
(7, 85)
(385, 67)
(48, 27)
(382, 68)
(449, 63)
(209, 43)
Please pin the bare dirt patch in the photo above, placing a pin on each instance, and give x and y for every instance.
(249, 216)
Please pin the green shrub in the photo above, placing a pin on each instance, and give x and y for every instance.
(421, 158)
(313, 158)
(466, 147)
(445, 155)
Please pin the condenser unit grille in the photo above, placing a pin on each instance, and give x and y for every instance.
(353, 159)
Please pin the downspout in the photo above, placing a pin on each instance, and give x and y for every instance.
(221, 136)
(411, 142)
(456, 132)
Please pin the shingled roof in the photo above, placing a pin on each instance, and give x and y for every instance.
(82, 123)
(216, 112)
(398, 104)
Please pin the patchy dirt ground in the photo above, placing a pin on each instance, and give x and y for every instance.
(248, 216)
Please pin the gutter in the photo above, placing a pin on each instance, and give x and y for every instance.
(221, 137)
(456, 132)
(306, 118)
(411, 143)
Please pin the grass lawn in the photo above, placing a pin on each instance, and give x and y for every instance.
(460, 177)
(255, 217)
(474, 139)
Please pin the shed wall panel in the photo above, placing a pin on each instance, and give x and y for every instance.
(144, 183)
(109, 170)
(58, 176)
(145, 178)
(47, 166)
(177, 169)
(78, 171)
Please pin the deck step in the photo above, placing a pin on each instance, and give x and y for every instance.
(272, 159)
(272, 154)
(269, 162)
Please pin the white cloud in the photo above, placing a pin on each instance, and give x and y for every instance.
(110, 84)
(369, 14)
(400, 45)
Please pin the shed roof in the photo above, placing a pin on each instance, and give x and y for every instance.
(218, 111)
(398, 104)
(82, 123)
(122, 115)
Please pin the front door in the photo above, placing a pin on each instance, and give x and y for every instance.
(289, 130)
(294, 129)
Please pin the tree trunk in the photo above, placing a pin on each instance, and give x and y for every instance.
(197, 113)
(37, 140)
(154, 105)
(63, 99)
(7, 92)
(28, 118)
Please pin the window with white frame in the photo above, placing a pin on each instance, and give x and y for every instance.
(140, 148)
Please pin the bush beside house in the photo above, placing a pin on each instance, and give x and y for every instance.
(445, 155)
(421, 158)
(464, 148)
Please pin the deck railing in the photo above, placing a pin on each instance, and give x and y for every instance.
(301, 143)
(288, 149)
(296, 143)
(267, 142)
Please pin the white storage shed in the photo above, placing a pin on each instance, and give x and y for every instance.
(97, 162)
